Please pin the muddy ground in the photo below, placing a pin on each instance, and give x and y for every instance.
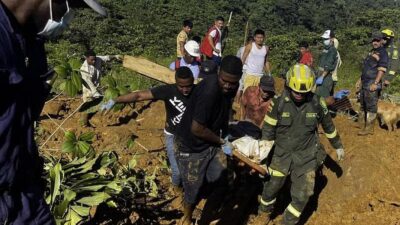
(362, 189)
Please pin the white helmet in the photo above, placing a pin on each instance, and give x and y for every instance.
(193, 48)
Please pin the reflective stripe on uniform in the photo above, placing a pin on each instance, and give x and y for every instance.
(275, 173)
(270, 120)
(268, 203)
(293, 211)
(331, 135)
(382, 69)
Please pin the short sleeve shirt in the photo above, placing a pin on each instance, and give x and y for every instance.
(182, 37)
(175, 104)
(218, 45)
(194, 67)
(254, 106)
(209, 107)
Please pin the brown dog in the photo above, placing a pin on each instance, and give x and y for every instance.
(389, 114)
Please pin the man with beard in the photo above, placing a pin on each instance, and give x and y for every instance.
(176, 97)
(201, 138)
(293, 123)
(24, 26)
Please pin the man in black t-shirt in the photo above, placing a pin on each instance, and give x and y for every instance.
(200, 138)
(175, 97)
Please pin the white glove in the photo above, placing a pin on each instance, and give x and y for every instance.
(340, 154)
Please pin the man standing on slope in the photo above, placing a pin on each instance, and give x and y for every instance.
(370, 84)
(255, 60)
(211, 45)
(182, 38)
(327, 64)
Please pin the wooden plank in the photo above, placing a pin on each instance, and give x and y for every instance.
(149, 69)
(250, 163)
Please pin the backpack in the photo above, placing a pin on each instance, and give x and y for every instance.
(205, 47)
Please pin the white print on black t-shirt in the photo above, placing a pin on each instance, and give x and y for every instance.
(180, 107)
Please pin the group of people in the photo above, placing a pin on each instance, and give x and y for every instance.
(198, 135)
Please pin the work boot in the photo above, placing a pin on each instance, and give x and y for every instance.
(263, 217)
(187, 214)
(361, 120)
(369, 127)
(84, 120)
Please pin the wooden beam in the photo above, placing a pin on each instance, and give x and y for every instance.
(149, 69)
(250, 163)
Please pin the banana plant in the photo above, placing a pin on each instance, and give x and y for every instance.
(114, 89)
(69, 72)
(77, 146)
(76, 186)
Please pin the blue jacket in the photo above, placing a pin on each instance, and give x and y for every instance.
(377, 60)
(22, 96)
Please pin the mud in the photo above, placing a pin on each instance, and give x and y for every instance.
(362, 189)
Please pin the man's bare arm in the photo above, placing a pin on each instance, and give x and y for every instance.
(246, 53)
(204, 133)
(136, 96)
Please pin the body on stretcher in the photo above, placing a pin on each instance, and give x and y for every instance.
(252, 152)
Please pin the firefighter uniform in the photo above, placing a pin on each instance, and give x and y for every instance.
(297, 150)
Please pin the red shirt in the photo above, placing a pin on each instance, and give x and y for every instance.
(255, 107)
(307, 59)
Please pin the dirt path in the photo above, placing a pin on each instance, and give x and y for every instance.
(363, 189)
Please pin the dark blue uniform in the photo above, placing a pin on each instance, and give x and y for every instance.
(23, 93)
(377, 60)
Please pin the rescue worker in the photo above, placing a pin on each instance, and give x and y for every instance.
(393, 53)
(293, 123)
(24, 26)
(370, 84)
(327, 64)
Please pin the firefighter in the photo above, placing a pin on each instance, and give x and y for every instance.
(393, 53)
(293, 123)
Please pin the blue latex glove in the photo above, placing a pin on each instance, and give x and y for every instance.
(227, 147)
(319, 80)
(342, 93)
(108, 105)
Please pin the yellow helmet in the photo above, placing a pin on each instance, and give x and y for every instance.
(300, 78)
(388, 33)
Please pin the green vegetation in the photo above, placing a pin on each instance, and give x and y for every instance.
(84, 179)
(149, 28)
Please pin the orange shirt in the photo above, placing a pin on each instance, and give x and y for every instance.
(254, 106)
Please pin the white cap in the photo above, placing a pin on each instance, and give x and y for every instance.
(327, 34)
(193, 48)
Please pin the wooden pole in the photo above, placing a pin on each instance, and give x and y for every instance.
(250, 163)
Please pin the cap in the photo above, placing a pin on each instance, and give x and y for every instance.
(267, 83)
(377, 36)
(207, 68)
(328, 34)
(95, 5)
(193, 48)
